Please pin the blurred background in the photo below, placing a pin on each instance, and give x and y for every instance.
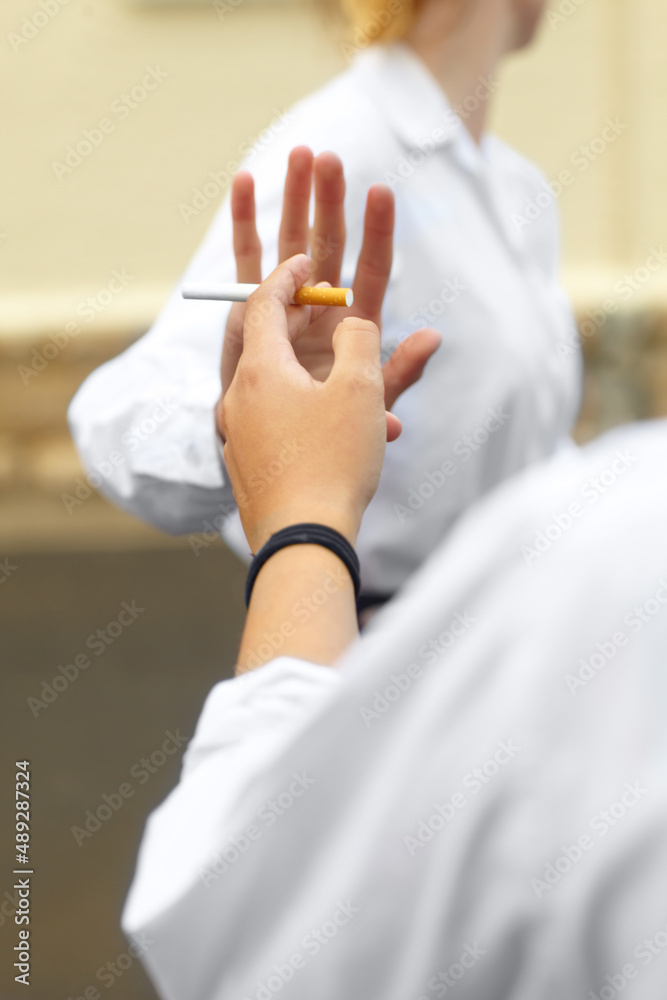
(137, 206)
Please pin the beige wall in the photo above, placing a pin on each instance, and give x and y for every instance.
(119, 209)
(603, 61)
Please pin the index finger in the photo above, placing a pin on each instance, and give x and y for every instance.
(266, 319)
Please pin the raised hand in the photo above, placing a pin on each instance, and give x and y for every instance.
(326, 243)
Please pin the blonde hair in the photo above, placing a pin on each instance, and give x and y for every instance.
(379, 20)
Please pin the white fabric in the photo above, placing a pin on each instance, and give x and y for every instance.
(466, 261)
(483, 799)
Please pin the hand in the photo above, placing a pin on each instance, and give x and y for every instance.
(296, 448)
(314, 348)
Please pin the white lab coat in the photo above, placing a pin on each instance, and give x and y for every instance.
(502, 391)
(473, 804)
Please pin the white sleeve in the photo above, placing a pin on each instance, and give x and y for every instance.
(144, 423)
(245, 724)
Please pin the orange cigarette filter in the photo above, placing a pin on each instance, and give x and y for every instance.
(308, 296)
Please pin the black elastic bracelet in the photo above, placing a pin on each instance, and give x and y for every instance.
(371, 599)
(306, 534)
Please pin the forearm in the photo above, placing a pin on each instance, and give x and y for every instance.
(145, 431)
(164, 469)
(302, 605)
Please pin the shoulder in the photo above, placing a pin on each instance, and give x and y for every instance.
(515, 168)
(531, 201)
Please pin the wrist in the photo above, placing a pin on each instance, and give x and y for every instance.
(303, 606)
(307, 534)
(344, 521)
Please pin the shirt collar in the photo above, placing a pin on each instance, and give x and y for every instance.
(413, 103)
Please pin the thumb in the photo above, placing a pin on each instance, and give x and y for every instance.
(356, 347)
(407, 363)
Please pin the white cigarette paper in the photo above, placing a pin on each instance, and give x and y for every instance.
(305, 296)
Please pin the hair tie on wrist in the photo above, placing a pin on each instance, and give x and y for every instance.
(306, 534)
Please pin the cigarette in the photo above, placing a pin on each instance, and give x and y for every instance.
(305, 296)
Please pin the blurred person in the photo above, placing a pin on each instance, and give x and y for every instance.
(504, 389)
(473, 801)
